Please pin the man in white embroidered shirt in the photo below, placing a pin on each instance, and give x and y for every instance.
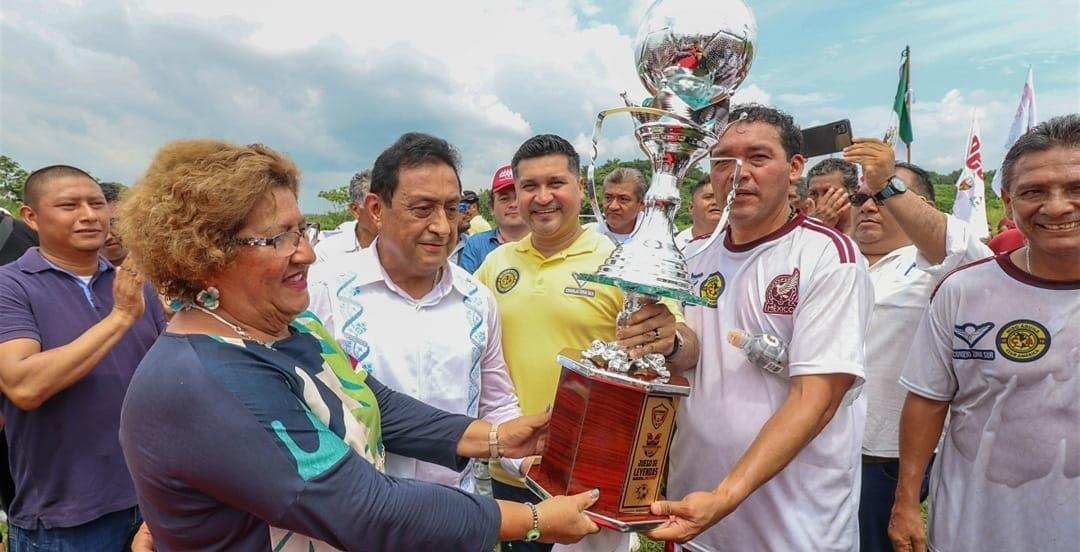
(424, 326)
(910, 246)
(762, 462)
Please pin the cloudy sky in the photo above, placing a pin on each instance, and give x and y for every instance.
(103, 83)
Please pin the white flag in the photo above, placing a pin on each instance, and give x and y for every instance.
(1024, 121)
(970, 204)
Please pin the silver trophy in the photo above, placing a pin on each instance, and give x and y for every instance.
(690, 56)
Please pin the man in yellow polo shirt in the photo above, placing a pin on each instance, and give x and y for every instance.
(545, 309)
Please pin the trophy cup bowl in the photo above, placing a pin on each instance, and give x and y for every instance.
(613, 418)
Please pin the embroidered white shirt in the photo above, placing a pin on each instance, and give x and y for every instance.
(334, 243)
(444, 349)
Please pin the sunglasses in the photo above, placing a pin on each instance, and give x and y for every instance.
(858, 198)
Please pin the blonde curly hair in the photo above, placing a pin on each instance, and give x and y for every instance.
(179, 220)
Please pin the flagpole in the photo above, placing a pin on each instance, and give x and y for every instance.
(908, 94)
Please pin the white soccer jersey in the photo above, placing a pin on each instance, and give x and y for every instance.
(1003, 347)
(807, 284)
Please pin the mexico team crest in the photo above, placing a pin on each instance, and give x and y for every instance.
(506, 280)
(782, 295)
(711, 288)
(1023, 340)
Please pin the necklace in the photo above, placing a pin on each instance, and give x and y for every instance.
(1027, 259)
(234, 327)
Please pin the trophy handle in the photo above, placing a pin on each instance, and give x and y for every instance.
(590, 173)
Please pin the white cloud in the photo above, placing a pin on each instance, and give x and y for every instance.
(751, 93)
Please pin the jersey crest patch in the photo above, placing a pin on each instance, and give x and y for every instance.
(782, 295)
(506, 280)
(711, 288)
(1023, 340)
(971, 334)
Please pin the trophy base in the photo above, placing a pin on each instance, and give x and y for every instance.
(611, 432)
(622, 524)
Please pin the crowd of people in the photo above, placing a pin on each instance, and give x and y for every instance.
(192, 365)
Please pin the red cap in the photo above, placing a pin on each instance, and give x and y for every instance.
(503, 179)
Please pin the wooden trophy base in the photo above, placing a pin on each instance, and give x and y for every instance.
(609, 432)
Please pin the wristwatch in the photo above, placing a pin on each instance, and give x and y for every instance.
(533, 534)
(895, 186)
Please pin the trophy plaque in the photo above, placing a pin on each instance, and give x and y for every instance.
(613, 416)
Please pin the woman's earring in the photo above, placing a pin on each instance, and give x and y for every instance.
(209, 298)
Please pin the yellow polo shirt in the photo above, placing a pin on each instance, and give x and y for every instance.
(543, 310)
(478, 224)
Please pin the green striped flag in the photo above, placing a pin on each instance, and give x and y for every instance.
(902, 103)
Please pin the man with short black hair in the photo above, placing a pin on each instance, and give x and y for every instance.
(422, 325)
(544, 307)
(798, 192)
(509, 225)
(829, 184)
(910, 246)
(75, 327)
(997, 353)
(114, 249)
(705, 213)
(624, 200)
(477, 222)
(354, 235)
(775, 457)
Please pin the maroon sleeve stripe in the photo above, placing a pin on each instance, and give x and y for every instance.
(844, 248)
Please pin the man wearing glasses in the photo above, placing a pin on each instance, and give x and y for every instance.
(424, 326)
(910, 246)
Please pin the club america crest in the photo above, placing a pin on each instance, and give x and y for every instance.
(782, 295)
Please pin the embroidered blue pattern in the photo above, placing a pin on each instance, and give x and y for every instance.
(474, 308)
(353, 327)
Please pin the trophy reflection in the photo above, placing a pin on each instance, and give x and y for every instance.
(613, 416)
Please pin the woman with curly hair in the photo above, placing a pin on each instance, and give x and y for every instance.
(246, 427)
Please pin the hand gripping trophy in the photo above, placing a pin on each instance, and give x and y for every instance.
(612, 418)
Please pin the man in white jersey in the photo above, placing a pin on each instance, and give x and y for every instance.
(1003, 363)
(910, 246)
(423, 325)
(762, 462)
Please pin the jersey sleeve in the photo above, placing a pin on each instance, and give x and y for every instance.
(929, 370)
(831, 321)
(18, 317)
(267, 455)
(962, 246)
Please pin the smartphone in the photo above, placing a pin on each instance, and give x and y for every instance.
(825, 139)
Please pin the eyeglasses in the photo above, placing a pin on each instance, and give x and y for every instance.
(287, 242)
(858, 198)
